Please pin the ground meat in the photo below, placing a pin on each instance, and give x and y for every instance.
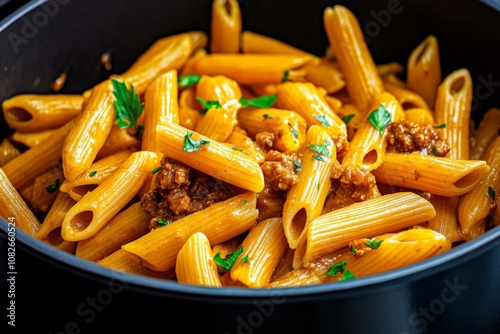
(279, 170)
(407, 137)
(180, 191)
(265, 140)
(350, 186)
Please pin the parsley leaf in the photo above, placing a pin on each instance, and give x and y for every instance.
(353, 250)
(440, 126)
(286, 74)
(347, 275)
(321, 149)
(347, 118)
(191, 145)
(264, 101)
(128, 107)
(162, 222)
(245, 258)
(227, 263)
(188, 80)
(266, 116)
(298, 166)
(337, 268)
(207, 105)
(157, 169)
(93, 173)
(322, 120)
(372, 243)
(52, 188)
(380, 118)
(491, 192)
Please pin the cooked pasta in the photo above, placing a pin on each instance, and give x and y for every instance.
(238, 160)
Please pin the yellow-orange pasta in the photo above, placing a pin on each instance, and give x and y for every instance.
(407, 98)
(42, 195)
(351, 52)
(419, 115)
(37, 112)
(485, 133)
(241, 141)
(54, 218)
(211, 157)
(14, 209)
(219, 222)
(118, 140)
(195, 263)
(189, 115)
(225, 28)
(424, 70)
(384, 214)
(128, 225)
(7, 151)
(31, 139)
(305, 199)
(475, 206)
(263, 249)
(326, 75)
(97, 208)
(440, 176)
(446, 219)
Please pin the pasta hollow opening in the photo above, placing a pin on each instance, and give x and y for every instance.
(410, 104)
(54, 237)
(83, 189)
(17, 114)
(422, 51)
(299, 223)
(81, 221)
(370, 158)
(457, 85)
(469, 179)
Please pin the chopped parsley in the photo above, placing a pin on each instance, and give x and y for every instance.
(322, 120)
(225, 264)
(440, 126)
(52, 188)
(347, 275)
(162, 222)
(321, 149)
(190, 144)
(244, 201)
(372, 243)
(157, 169)
(433, 151)
(353, 250)
(491, 192)
(207, 105)
(266, 116)
(295, 133)
(128, 107)
(93, 173)
(347, 118)
(298, 166)
(380, 118)
(188, 80)
(264, 101)
(337, 268)
(286, 74)
(237, 149)
(245, 258)
(318, 157)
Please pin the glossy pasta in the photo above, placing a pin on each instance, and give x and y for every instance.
(238, 160)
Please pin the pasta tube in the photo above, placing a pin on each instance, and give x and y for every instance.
(225, 26)
(221, 221)
(94, 210)
(485, 133)
(195, 263)
(31, 139)
(347, 43)
(33, 112)
(305, 199)
(7, 151)
(213, 158)
(440, 176)
(54, 218)
(263, 248)
(370, 218)
(424, 70)
(326, 75)
(14, 209)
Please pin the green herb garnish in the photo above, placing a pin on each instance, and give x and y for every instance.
(337, 268)
(52, 188)
(353, 250)
(286, 74)
(321, 149)
(237, 149)
(346, 276)
(188, 80)
(491, 192)
(264, 101)
(440, 126)
(227, 263)
(128, 107)
(245, 258)
(162, 222)
(347, 118)
(322, 120)
(207, 105)
(93, 173)
(266, 116)
(157, 169)
(380, 118)
(298, 166)
(372, 243)
(191, 145)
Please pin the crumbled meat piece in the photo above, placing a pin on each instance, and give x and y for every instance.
(406, 137)
(180, 191)
(265, 140)
(350, 186)
(279, 170)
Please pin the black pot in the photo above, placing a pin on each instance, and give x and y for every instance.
(456, 292)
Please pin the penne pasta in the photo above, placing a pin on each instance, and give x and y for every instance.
(225, 27)
(31, 139)
(351, 52)
(263, 248)
(7, 151)
(241, 141)
(326, 75)
(96, 209)
(54, 218)
(485, 134)
(407, 98)
(424, 70)
(118, 140)
(189, 115)
(219, 222)
(195, 264)
(440, 176)
(37, 112)
(213, 158)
